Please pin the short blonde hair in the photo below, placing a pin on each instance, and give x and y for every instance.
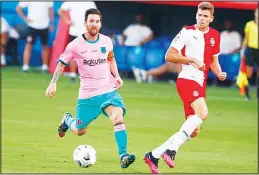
(206, 6)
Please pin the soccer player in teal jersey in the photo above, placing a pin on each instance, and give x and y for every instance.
(99, 81)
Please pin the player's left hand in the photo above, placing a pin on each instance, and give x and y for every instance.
(222, 76)
(119, 82)
(51, 28)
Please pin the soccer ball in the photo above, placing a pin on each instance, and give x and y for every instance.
(84, 156)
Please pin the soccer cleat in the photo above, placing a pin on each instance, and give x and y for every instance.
(169, 157)
(127, 160)
(137, 74)
(63, 127)
(144, 77)
(151, 162)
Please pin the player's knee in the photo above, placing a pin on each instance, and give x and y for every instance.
(117, 120)
(203, 114)
(195, 132)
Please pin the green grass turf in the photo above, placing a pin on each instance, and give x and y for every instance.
(227, 142)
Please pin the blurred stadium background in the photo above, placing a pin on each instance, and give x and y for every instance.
(228, 141)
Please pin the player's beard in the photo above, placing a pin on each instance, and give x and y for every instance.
(93, 31)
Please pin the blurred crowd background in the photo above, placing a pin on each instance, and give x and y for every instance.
(37, 32)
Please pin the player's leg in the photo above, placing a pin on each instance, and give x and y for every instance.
(257, 83)
(43, 34)
(73, 66)
(257, 77)
(3, 45)
(115, 109)
(28, 47)
(191, 95)
(87, 110)
(143, 75)
(249, 60)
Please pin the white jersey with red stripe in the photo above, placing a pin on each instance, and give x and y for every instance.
(194, 43)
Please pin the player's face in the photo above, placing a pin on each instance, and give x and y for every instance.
(93, 24)
(203, 18)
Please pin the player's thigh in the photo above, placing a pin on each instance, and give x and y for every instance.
(113, 106)
(44, 35)
(32, 35)
(190, 91)
(86, 112)
(257, 60)
(188, 111)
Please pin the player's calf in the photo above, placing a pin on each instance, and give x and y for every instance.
(195, 132)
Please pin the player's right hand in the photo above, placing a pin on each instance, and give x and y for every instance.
(198, 64)
(51, 90)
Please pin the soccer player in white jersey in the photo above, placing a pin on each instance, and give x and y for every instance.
(99, 81)
(197, 48)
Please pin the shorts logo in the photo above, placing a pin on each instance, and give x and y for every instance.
(212, 41)
(79, 122)
(29, 39)
(103, 49)
(195, 93)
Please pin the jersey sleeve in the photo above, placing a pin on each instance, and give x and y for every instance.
(4, 25)
(111, 53)
(180, 40)
(68, 54)
(127, 31)
(50, 4)
(216, 50)
(65, 6)
(247, 27)
(23, 4)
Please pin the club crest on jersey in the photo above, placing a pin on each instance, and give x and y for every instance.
(103, 49)
(195, 93)
(212, 41)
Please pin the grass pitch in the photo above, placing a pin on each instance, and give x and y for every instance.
(30, 143)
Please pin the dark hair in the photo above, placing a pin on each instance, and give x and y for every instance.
(92, 11)
(206, 6)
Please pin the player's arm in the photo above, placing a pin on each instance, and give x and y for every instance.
(63, 12)
(51, 15)
(64, 59)
(114, 69)
(173, 53)
(113, 64)
(149, 36)
(58, 72)
(125, 33)
(51, 90)
(216, 68)
(20, 12)
(244, 45)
